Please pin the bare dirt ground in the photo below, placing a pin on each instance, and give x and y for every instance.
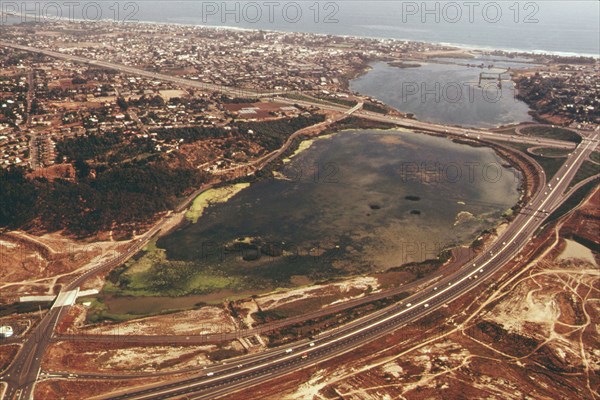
(33, 265)
(299, 301)
(533, 337)
(205, 320)
(55, 389)
(75, 357)
(536, 338)
(61, 171)
(7, 353)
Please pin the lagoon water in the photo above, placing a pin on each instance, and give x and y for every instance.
(448, 93)
(360, 201)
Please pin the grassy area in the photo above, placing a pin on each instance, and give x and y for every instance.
(587, 169)
(301, 97)
(573, 201)
(595, 157)
(328, 101)
(212, 196)
(550, 152)
(98, 312)
(305, 145)
(161, 277)
(23, 308)
(550, 165)
(549, 132)
(506, 131)
(150, 273)
(376, 108)
(336, 100)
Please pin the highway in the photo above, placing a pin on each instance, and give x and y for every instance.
(263, 329)
(137, 71)
(25, 369)
(404, 122)
(245, 372)
(479, 134)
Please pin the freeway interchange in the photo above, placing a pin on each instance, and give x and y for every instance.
(246, 371)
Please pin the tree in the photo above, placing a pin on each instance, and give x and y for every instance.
(122, 103)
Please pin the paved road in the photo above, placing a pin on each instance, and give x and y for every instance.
(221, 337)
(467, 132)
(409, 123)
(25, 369)
(246, 372)
(137, 71)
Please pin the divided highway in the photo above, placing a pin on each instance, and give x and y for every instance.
(24, 371)
(137, 71)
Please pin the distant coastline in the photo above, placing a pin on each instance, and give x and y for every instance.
(459, 46)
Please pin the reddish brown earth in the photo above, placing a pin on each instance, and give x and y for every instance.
(80, 389)
(78, 357)
(7, 354)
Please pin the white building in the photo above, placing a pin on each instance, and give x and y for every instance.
(6, 331)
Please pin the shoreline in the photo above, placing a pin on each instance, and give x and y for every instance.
(458, 46)
(360, 73)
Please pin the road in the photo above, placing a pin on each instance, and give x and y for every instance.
(245, 372)
(23, 373)
(136, 71)
(409, 123)
(221, 337)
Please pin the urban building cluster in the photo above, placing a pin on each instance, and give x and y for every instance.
(566, 94)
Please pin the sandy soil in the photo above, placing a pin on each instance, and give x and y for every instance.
(7, 353)
(32, 265)
(88, 358)
(202, 321)
(81, 389)
(576, 251)
(303, 299)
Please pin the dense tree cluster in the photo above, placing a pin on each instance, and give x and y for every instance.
(124, 196)
(121, 181)
(555, 96)
(18, 195)
(87, 147)
(110, 148)
(272, 134)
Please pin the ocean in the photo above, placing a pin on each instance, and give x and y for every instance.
(543, 26)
